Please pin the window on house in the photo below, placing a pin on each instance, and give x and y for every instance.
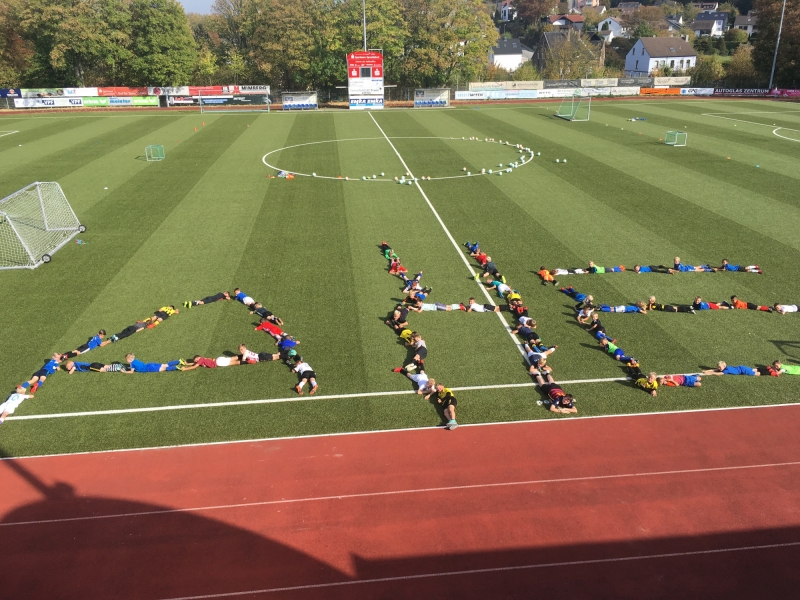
(672, 64)
(637, 65)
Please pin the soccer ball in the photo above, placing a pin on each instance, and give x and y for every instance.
(313, 174)
(557, 160)
(565, 160)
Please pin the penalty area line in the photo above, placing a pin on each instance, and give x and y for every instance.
(449, 235)
(124, 411)
(571, 563)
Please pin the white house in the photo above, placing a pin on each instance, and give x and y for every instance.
(748, 23)
(614, 26)
(510, 54)
(506, 10)
(709, 24)
(649, 54)
(564, 22)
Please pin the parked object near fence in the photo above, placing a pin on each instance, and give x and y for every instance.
(154, 153)
(34, 223)
(675, 138)
(299, 100)
(432, 98)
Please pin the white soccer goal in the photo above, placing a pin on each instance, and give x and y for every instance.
(154, 153)
(34, 223)
(575, 108)
(676, 138)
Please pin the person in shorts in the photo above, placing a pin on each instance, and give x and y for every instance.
(473, 306)
(305, 375)
(559, 401)
(724, 369)
(208, 300)
(39, 377)
(239, 295)
(681, 380)
(138, 366)
(726, 266)
(162, 314)
(96, 341)
(448, 402)
(11, 404)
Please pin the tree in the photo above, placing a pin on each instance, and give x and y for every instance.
(572, 58)
(526, 72)
(787, 70)
(386, 29)
(162, 44)
(729, 8)
(78, 42)
(206, 65)
(707, 70)
(15, 53)
(740, 71)
(591, 17)
(736, 35)
(644, 30)
(532, 11)
(721, 47)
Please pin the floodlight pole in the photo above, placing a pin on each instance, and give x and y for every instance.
(777, 44)
(364, 20)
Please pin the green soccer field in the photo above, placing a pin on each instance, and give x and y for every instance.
(209, 218)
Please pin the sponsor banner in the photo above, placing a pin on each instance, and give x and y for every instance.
(561, 83)
(479, 86)
(222, 99)
(635, 81)
(741, 92)
(299, 100)
(593, 91)
(672, 81)
(142, 100)
(697, 91)
(182, 90)
(367, 65)
(660, 91)
(96, 101)
(476, 95)
(182, 100)
(623, 91)
(264, 90)
(80, 92)
(122, 91)
(365, 87)
(47, 102)
(41, 92)
(10, 93)
(523, 85)
(211, 90)
(787, 93)
(431, 98)
(521, 94)
(558, 93)
(366, 102)
(599, 83)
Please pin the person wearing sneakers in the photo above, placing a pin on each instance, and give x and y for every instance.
(424, 384)
(130, 330)
(445, 397)
(248, 357)
(165, 312)
(537, 358)
(208, 300)
(262, 312)
(96, 341)
(305, 374)
(417, 305)
(137, 366)
(558, 399)
(38, 378)
(726, 266)
(271, 328)
(11, 404)
(420, 352)
(490, 270)
(473, 306)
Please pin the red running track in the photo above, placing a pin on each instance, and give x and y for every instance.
(691, 505)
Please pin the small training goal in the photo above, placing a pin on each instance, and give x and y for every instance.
(675, 138)
(575, 108)
(34, 223)
(154, 153)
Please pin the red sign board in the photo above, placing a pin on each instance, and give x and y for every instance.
(359, 62)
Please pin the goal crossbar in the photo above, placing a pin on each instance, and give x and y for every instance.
(575, 108)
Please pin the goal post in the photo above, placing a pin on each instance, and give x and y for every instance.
(154, 153)
(676, 138)
(575, 108)
(35, 222)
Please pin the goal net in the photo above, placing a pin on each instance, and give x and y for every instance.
(675, 138)
(34, 223)
(575, 108)
(154, 153)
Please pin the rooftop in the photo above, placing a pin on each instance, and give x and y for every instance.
(669, 46)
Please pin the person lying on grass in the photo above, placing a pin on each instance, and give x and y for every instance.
(681, 380)
(39, 377)
(210, 363)
(639, 307)
(651, 269)
(445, 398)
(93, 342)
(473, 306)
(653, 305)
(95, 367)
(596, 327)
(12, 403)
(788, 369)
(600, 270)
(399, 319)
(418, 305)
(526, 330)
(163, 313)
(726, 266)
(735, 303)
(614, 350)
(258, 309)
(424, 384)
(679, 267)
(501, 288)
(537, 358)
(130, 330)
(724, 369)
(698, 304)
(271, 328)
(784, 308)
(558, 399)
(248, 357)
(514, 305)
(305, 375)
(490, 270)
(420, 349)
(137, 366)
(208, 300)
(648, 383)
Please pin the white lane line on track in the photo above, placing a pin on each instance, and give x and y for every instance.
(572, 563)
(452, 488)
(123, 411)
(449, 236)
(543, 421)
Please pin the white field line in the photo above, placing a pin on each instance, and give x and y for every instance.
(571, 563)
(449, 236)
(754, 112)
(775, 131)
(5, 133)
(408, 491)
(123, 411)
(543, 422)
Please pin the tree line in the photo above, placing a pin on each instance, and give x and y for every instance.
(290, 44)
